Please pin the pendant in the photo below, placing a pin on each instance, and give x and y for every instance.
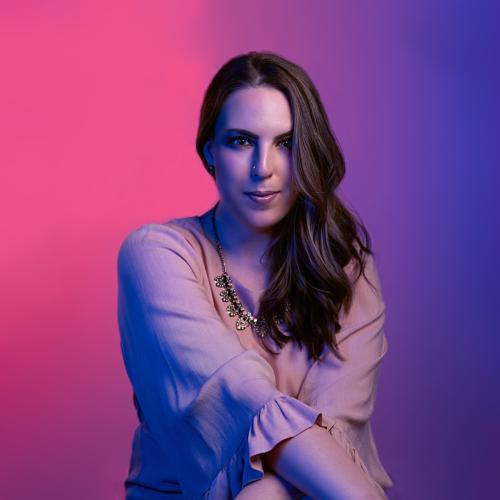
(235, 308)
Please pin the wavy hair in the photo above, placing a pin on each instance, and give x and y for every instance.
(312, 245)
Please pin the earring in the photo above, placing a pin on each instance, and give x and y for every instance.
(211, 168)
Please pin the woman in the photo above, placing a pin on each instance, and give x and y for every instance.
(252, 334)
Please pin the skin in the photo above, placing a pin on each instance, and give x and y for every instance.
(270, 486)
(244, 226)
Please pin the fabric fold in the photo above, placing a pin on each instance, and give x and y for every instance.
(278, 419)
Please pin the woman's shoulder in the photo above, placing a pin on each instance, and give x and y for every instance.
(367, 299)
(174, 229)
(178, 235)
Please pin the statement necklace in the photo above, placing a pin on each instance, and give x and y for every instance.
(235, 307)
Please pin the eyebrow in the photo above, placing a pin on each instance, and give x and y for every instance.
(254, 136)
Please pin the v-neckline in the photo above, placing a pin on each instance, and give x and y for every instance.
(216, 253)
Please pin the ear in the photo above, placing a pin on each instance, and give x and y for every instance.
(207, 153)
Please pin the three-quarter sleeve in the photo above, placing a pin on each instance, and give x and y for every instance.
(210, 404)
(345, 391)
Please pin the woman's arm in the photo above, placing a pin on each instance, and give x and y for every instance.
(199, 390)
(271, 487)
(345, 391)
(210, 404)
(318, 465)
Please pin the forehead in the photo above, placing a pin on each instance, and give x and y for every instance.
(262, 110)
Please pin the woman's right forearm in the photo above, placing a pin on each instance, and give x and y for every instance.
(315, 463)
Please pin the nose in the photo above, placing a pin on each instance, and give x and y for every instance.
(262, 163)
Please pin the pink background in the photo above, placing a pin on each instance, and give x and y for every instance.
(99, 104)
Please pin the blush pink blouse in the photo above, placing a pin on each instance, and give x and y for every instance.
(209, 398)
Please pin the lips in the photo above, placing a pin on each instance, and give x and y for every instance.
(261, 193)
(262, 200)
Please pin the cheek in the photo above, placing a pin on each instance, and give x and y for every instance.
(230, 181)
(231, 173)
(232, 168)
(289, 178)
(233, 157)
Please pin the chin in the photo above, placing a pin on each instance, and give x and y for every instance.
(265, 219)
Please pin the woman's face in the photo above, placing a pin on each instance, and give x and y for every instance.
(254, 127)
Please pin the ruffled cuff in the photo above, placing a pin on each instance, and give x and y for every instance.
(279, 419)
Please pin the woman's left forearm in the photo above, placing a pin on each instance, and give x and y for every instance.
(270, 486)
(319, 466)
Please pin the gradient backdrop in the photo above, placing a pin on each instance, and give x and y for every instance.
(99, 103)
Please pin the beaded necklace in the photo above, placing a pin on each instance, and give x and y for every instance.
(228, 294)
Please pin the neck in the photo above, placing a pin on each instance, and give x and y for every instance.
(239, 240)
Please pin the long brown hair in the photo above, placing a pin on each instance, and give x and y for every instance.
(319, 236)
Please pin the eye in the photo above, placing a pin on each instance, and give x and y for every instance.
(235, 139)
(288, 142)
